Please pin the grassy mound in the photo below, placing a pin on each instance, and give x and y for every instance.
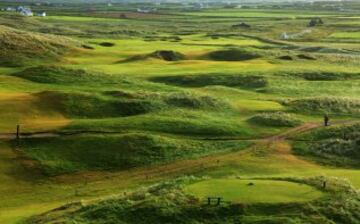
(180, 122)
(324, 76)
(187, 100)
(167, 55)
(277, 119)
(306, 57)
(244, 81)
(106, 152)
(232, 55)
(335, 145)
(84, 105)
(168, 203)
(286, 58)
(326, 104)
(120, 103)
(62, 75)
(19, 47)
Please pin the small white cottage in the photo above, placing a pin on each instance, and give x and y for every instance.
(41, 14)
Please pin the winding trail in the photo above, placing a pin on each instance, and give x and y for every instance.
(267, 156)
(275, 146)
(288, 133)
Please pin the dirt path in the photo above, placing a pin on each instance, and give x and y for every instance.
(289, 133)
(274, 145)
(271, 153)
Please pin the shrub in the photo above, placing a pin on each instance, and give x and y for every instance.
(335, 145)
(278, 119)
(116, 151)
(188, 100)
(83, 105)
(232, 55)
(167, 55)
(245, 81)
(18, 48)
(62, 75)
(326, 105)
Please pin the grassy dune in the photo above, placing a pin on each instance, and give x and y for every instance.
(113, 101)
(18, 46)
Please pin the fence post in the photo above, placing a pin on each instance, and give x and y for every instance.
(18, 132)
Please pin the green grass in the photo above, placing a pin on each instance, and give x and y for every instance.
(18, 47)
(335, 145)
(327, 105)
(346, 35)
(254, 191)
(167, 202)
(278, 119)
(170, 90)
(119, 152)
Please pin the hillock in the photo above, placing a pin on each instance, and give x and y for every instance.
(19, 48)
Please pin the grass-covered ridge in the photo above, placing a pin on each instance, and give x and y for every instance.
(338, 146)
(279, 119)
(120, 103)
(87, 105)
(236, 81)
(168, 202)
(20, 47)
(116, 151)
(62, 75)
(232, 55)
(326, 76)
(326, 105)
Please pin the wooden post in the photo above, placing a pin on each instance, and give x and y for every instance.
(18, 131)
(209, 201)
(324, 184)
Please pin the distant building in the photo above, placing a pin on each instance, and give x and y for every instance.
(141, 10)
(241, 25)
(10, 9)
(20, 8)
(285, 36)
(315, 22)
(41, 14)
(23, 11)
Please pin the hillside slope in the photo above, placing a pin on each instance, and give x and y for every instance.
(18, 47)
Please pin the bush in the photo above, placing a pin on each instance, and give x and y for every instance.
(116, 151)
(83, 105)
(326, 105)
(18, 48)
(335, 145)
(277, 119)
(323, 76)
(62, 75)
(188, 100)
(245, 81)
(167, 55)
(232, 55)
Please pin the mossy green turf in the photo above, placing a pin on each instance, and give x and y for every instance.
(119, 152)
(253, 191)
(183, 109)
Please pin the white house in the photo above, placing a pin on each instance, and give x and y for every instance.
(26, 13)
(143, 10)
(10, 9)
(285, 36)
(41, 14)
